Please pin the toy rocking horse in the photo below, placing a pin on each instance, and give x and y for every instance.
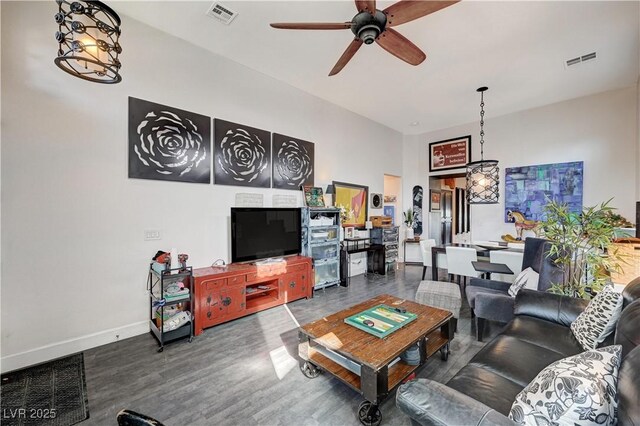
(522, 224)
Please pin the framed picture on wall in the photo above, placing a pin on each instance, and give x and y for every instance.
(434, 200)
(527, 188)
(312, 196)
(390, 211)
(449, 154)
(353, 199)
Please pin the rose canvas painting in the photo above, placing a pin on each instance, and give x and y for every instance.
(167, 143)
(242, 155)
(292, 162)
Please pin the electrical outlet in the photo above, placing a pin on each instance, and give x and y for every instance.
(152, 234)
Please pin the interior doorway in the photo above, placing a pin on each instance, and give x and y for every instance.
(392, 202)
(449, 212)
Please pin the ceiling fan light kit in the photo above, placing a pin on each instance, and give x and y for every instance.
(368, 27)
(372, 25)
(483, 177)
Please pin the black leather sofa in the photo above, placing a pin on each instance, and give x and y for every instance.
(482, 392)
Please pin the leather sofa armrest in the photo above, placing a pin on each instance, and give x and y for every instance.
(556, 308)
(430, 403)
(494, 307)
(494, 285)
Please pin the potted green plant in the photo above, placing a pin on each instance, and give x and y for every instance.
(582, 244)
(409, 220)
(624, 228)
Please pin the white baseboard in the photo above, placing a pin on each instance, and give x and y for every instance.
(71, 346)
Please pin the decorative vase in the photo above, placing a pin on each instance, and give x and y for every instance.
(409, 234)
(341, 233)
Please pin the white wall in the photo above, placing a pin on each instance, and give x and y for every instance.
(74, 260)
(599, 130)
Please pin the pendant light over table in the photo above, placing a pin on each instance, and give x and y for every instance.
(88, 40)
(483, 177)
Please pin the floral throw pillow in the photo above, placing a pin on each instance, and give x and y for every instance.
(528, 278)
(578, 390)
(599, 318)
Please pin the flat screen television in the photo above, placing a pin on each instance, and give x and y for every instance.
(260, 233)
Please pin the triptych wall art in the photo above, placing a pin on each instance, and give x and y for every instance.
(167, 143)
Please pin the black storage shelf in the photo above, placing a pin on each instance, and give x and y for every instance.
(170, 302)
(156, 285)
(170, 275)
(170, 336)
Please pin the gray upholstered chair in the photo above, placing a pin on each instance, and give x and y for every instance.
(490, 300)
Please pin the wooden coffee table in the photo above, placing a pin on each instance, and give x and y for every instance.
(369, 364)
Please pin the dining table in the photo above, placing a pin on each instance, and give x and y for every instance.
(488, 268)
(482, 250)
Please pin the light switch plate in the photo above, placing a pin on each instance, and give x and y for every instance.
(152, 234)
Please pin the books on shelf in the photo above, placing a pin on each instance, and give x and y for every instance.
(176, 321)
(178, 295)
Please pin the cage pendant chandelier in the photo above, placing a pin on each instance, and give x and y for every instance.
(88, 40)
(483, 177)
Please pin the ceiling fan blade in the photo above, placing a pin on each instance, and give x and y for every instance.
(399, 46)
(366, 6)
(311, 25)
(346, 56)
(408, 10)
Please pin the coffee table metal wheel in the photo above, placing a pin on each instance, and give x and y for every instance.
(444, 352)
(309, 370)
(369, 414)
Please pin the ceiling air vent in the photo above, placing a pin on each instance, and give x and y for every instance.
(221, 12)
(580, 59)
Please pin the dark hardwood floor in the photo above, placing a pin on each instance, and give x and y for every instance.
(246, 372)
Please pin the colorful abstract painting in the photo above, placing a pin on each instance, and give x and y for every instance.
(353, 198)
(528, 188)
(313, 196)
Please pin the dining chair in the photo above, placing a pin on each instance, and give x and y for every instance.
(490, 299)
(512, 259)
(459, 262)
(425, 250)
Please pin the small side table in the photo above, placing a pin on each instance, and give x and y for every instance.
(355, 243)
(361, 245)
(404, 247)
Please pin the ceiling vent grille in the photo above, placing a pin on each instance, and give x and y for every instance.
(221, 13)
(580, 59)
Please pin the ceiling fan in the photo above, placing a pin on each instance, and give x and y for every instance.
(371, 24)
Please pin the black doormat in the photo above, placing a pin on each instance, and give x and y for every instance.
(51, 394)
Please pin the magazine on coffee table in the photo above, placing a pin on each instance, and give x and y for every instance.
(381, 320)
